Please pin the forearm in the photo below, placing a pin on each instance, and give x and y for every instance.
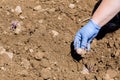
(106, 11)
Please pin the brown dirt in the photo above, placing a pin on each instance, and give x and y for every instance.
(41, 49)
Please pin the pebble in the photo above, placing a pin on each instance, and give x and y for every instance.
(85, 70)
(22, 17)
(31, 50)
(55, 33)
(39, 55)
(3, 51)
(38, 8)
(71, 6)
(12, 10)
(40, 21)
(5, 32)
(10, 54)
(59, 18)
(3, 68)
(18, 10)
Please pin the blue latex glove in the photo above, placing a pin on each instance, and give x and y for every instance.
(85, 35)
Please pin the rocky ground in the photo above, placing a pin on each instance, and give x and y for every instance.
(36, 38)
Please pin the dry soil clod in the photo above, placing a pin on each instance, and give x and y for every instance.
(81, 52)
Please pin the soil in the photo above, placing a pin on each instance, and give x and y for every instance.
(36, 38)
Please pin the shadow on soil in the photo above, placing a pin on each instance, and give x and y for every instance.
(75, 56)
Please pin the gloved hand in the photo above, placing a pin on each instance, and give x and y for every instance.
(85, 35)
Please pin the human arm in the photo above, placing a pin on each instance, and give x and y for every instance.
(105, 12)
